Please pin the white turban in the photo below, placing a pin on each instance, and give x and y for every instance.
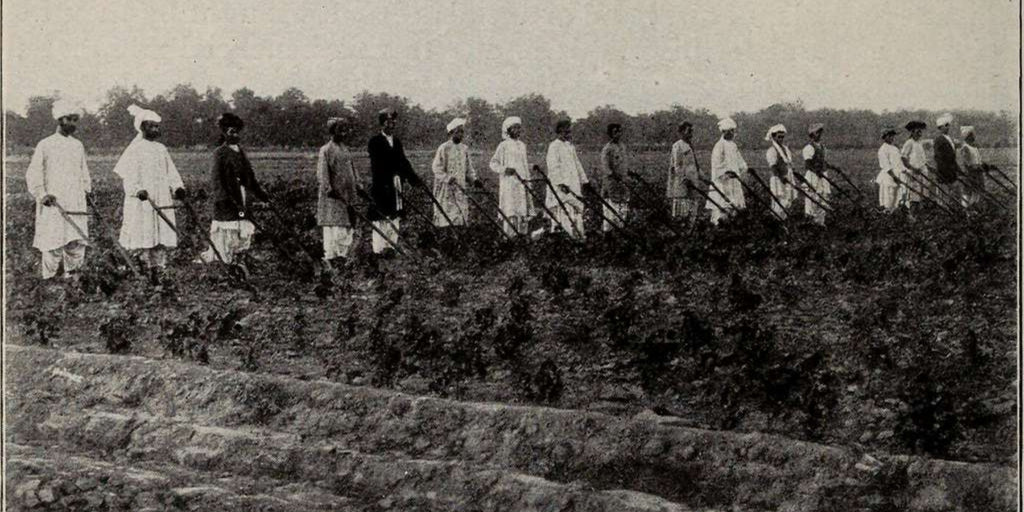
(508, 123)
(944, 119)
(457, 122)
(726, 124)
(773, 130)
(140, 114)
(966, 130)
(63, 108)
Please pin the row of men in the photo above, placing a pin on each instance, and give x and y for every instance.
(58, 178)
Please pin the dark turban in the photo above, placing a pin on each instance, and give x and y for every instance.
(229, 120)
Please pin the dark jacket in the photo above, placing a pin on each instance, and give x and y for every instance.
(946, 168)
(386, 162)
(231, 172)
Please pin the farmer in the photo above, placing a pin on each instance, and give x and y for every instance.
(149, 177)
(683, 166)
(57, 176)
(947, 170)
(567, 178)
(336, 184)
(915, 161)
(816, 176)
(974, 168)
(510, 160)
(615, 161)
(388, 168)
(780, 162)
(891, 194)
(727, 165)
(233, 186)
(453, 172)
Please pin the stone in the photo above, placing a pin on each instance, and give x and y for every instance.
(86, 483)
(867, 436)
(46, 495)
(688, 453)
(931, 499)
(653, 448)
(885, 434)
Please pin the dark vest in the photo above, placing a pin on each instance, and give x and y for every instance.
(817, 163)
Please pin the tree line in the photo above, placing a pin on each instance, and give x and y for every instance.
(292, 120)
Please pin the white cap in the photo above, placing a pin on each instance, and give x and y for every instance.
(140, 114)
(64, 107)
(944, 119)
(455, 123)
(508, 123)
(726, 124)
(773, 130)
(966, 130)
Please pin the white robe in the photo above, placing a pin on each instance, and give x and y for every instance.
(890, 193)
(452, 162)
(146, 165)
(512, 197)
(58, 168)
(726, 157)
(565, 168)
(784, 191)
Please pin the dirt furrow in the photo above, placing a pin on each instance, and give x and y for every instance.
(135, 404)
(46, 479)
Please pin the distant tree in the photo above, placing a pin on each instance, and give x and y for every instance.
(592, 130)
(39, 120)
(118, 126)
(14, 131)
(483, 127)
(538, 118)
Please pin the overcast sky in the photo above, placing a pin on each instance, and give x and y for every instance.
(640, 56)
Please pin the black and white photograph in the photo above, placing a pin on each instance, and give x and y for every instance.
(490, 256)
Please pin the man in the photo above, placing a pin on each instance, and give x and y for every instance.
(57, 175)
(615, 162)
(891, 194)
(683, 166)
(510, 160)
(148, 174)
(974, 168)
(727, 165)
(388, 168)
(453, 168)
(780, 163)
(947, 171)
(817, 166)
(336, 185)
(915, 160)
(565, 171)
(233, 186)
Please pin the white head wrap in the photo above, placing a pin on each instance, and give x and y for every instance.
(508, 123)
(457, 122)
(773, 130)
(966, 130)
(726, 124)
(64, 107)
(944, 119)
(140, 114)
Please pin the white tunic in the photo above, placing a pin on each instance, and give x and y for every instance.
(726, 157)
(58, 168)
(452, 168)
(564, 168)
(513, 199)
(784, 191)
(889, 160)
(146, 165)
